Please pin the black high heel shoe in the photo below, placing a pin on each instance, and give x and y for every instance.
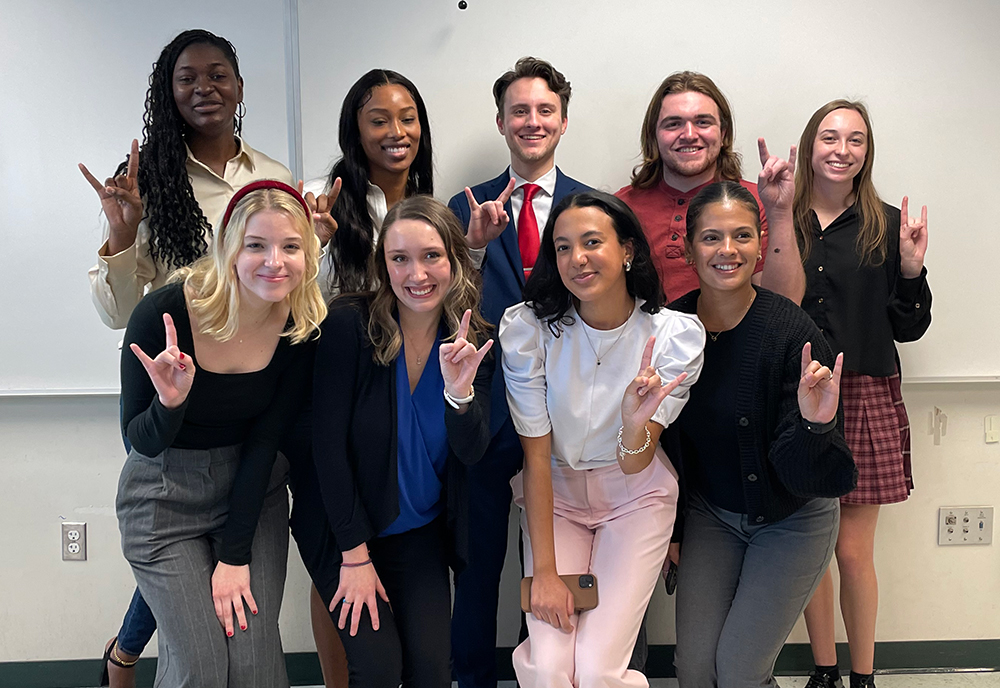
(111, 656)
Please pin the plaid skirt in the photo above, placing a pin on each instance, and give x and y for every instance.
(877, 430)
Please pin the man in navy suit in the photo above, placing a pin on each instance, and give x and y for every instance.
(503, 235)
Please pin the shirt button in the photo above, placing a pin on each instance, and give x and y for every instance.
(675, 237)
(680, 201)
(821, 237)
(752, 477)
(760, 519)
(916, 305)
(821, 300)
(678, 218)
(820, 268)
(744, 422)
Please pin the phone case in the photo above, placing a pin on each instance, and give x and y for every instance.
(582, 585)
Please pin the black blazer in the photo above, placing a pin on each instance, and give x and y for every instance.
(355, 433)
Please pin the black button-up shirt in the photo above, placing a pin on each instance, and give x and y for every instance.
(863, 309)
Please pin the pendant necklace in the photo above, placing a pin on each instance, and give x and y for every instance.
(599, 356)
(715, 335)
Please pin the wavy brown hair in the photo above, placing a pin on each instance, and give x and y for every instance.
(872, 242)
(729, 165)
(463, 294)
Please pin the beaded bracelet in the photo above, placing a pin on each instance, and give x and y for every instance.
(624, 450)
(354, 566)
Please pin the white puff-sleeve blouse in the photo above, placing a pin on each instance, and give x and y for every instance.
(554, 383)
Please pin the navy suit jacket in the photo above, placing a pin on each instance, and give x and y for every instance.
(503, 274)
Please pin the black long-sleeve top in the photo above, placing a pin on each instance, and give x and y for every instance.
(252, 409)
(862, 309)
(355, 434)
(782, 464)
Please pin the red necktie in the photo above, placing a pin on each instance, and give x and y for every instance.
(527, 230)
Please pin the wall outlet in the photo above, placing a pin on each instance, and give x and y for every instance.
(965, 525)
(74, 541)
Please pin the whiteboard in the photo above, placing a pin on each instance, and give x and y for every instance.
(73, 87)
(75, 76)
(928, 71)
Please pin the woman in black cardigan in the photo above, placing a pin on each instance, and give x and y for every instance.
(400, 407)
(760, 454)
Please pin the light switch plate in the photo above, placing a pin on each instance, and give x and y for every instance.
(965, 525)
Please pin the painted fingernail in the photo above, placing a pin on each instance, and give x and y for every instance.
(182, 357)
(182, 366)
(254, 611)
(229, 633)
(243, 628)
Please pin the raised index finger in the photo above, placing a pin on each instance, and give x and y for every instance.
(806, 356)
(473, 203)
(334, 193)
(791, 158)
(168, 324)
(505, 194)
(904, 212)
(762, 149)
(98, 187)
(133, 161)
(463, 327)
(647, 354)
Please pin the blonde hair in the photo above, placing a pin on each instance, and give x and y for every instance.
(463, 294)
(871, 244)
(213, 286)
(729, 165)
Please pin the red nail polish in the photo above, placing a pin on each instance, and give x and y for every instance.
(254, 612)
(182, 357)
(182, 366)
(243, 628)
(229, 633)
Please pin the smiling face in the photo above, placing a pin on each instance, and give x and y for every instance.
(390, 130)
(589, 255)
(206, 90)
(271, 262)
(725, 246)
(689, 137)
(840, 147)
(418, 265)
(532, 122)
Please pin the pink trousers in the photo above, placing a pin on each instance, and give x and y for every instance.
(617, 527)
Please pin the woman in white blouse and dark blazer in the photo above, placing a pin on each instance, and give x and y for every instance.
(595, 369)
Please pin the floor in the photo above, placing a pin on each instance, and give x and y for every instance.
(955, 680)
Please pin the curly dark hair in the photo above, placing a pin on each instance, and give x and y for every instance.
(177, 224)
(550, 299)
(353, 244)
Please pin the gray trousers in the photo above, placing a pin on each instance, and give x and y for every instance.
(740, 589)
(171, 512)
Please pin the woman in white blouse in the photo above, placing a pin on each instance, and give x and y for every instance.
(585, 358)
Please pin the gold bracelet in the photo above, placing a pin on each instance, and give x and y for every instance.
(118, 661)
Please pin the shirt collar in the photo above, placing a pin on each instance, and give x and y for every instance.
(674, 193)
(547, 181)
(242, 151)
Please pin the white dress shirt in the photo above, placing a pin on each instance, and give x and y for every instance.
(118, 281)
(555, 384)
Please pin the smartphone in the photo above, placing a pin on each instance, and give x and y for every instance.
(582, 585)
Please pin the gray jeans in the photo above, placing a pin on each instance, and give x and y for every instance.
(741, 587)
(171, 512)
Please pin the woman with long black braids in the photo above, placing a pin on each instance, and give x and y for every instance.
(161, 206)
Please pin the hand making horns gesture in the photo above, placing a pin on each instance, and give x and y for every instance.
(171, 372)
(776, 181)
(120, 201)
(460, 360)
(323, 222)
(645, 393)
(819, 387)
(912, 240)
(488, 219)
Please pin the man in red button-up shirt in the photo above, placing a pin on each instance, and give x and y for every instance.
(687, 143)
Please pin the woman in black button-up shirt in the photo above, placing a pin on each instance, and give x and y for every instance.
(866, 288)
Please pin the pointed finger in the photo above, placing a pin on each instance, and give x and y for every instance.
(483, 350)
(505, 194)
(145, 360)
(334, 193)
(473, 203)
(98, 187)
(647, 354)
(168, 324)
(923, 216)
(463, 326)
(133, 161)
(791, 158)
(762, 150)
(806, 356)
(904, 213)
(838, 369)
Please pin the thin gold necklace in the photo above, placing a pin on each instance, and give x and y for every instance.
(599, 356)
(715, 336)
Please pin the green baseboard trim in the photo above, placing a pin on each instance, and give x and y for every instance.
(915, 656)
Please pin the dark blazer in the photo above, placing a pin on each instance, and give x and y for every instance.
(503, 273)
(355, 433)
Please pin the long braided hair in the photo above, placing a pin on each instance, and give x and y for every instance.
(176, 222)
(353, 244)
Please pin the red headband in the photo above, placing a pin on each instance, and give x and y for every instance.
(263, 184)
